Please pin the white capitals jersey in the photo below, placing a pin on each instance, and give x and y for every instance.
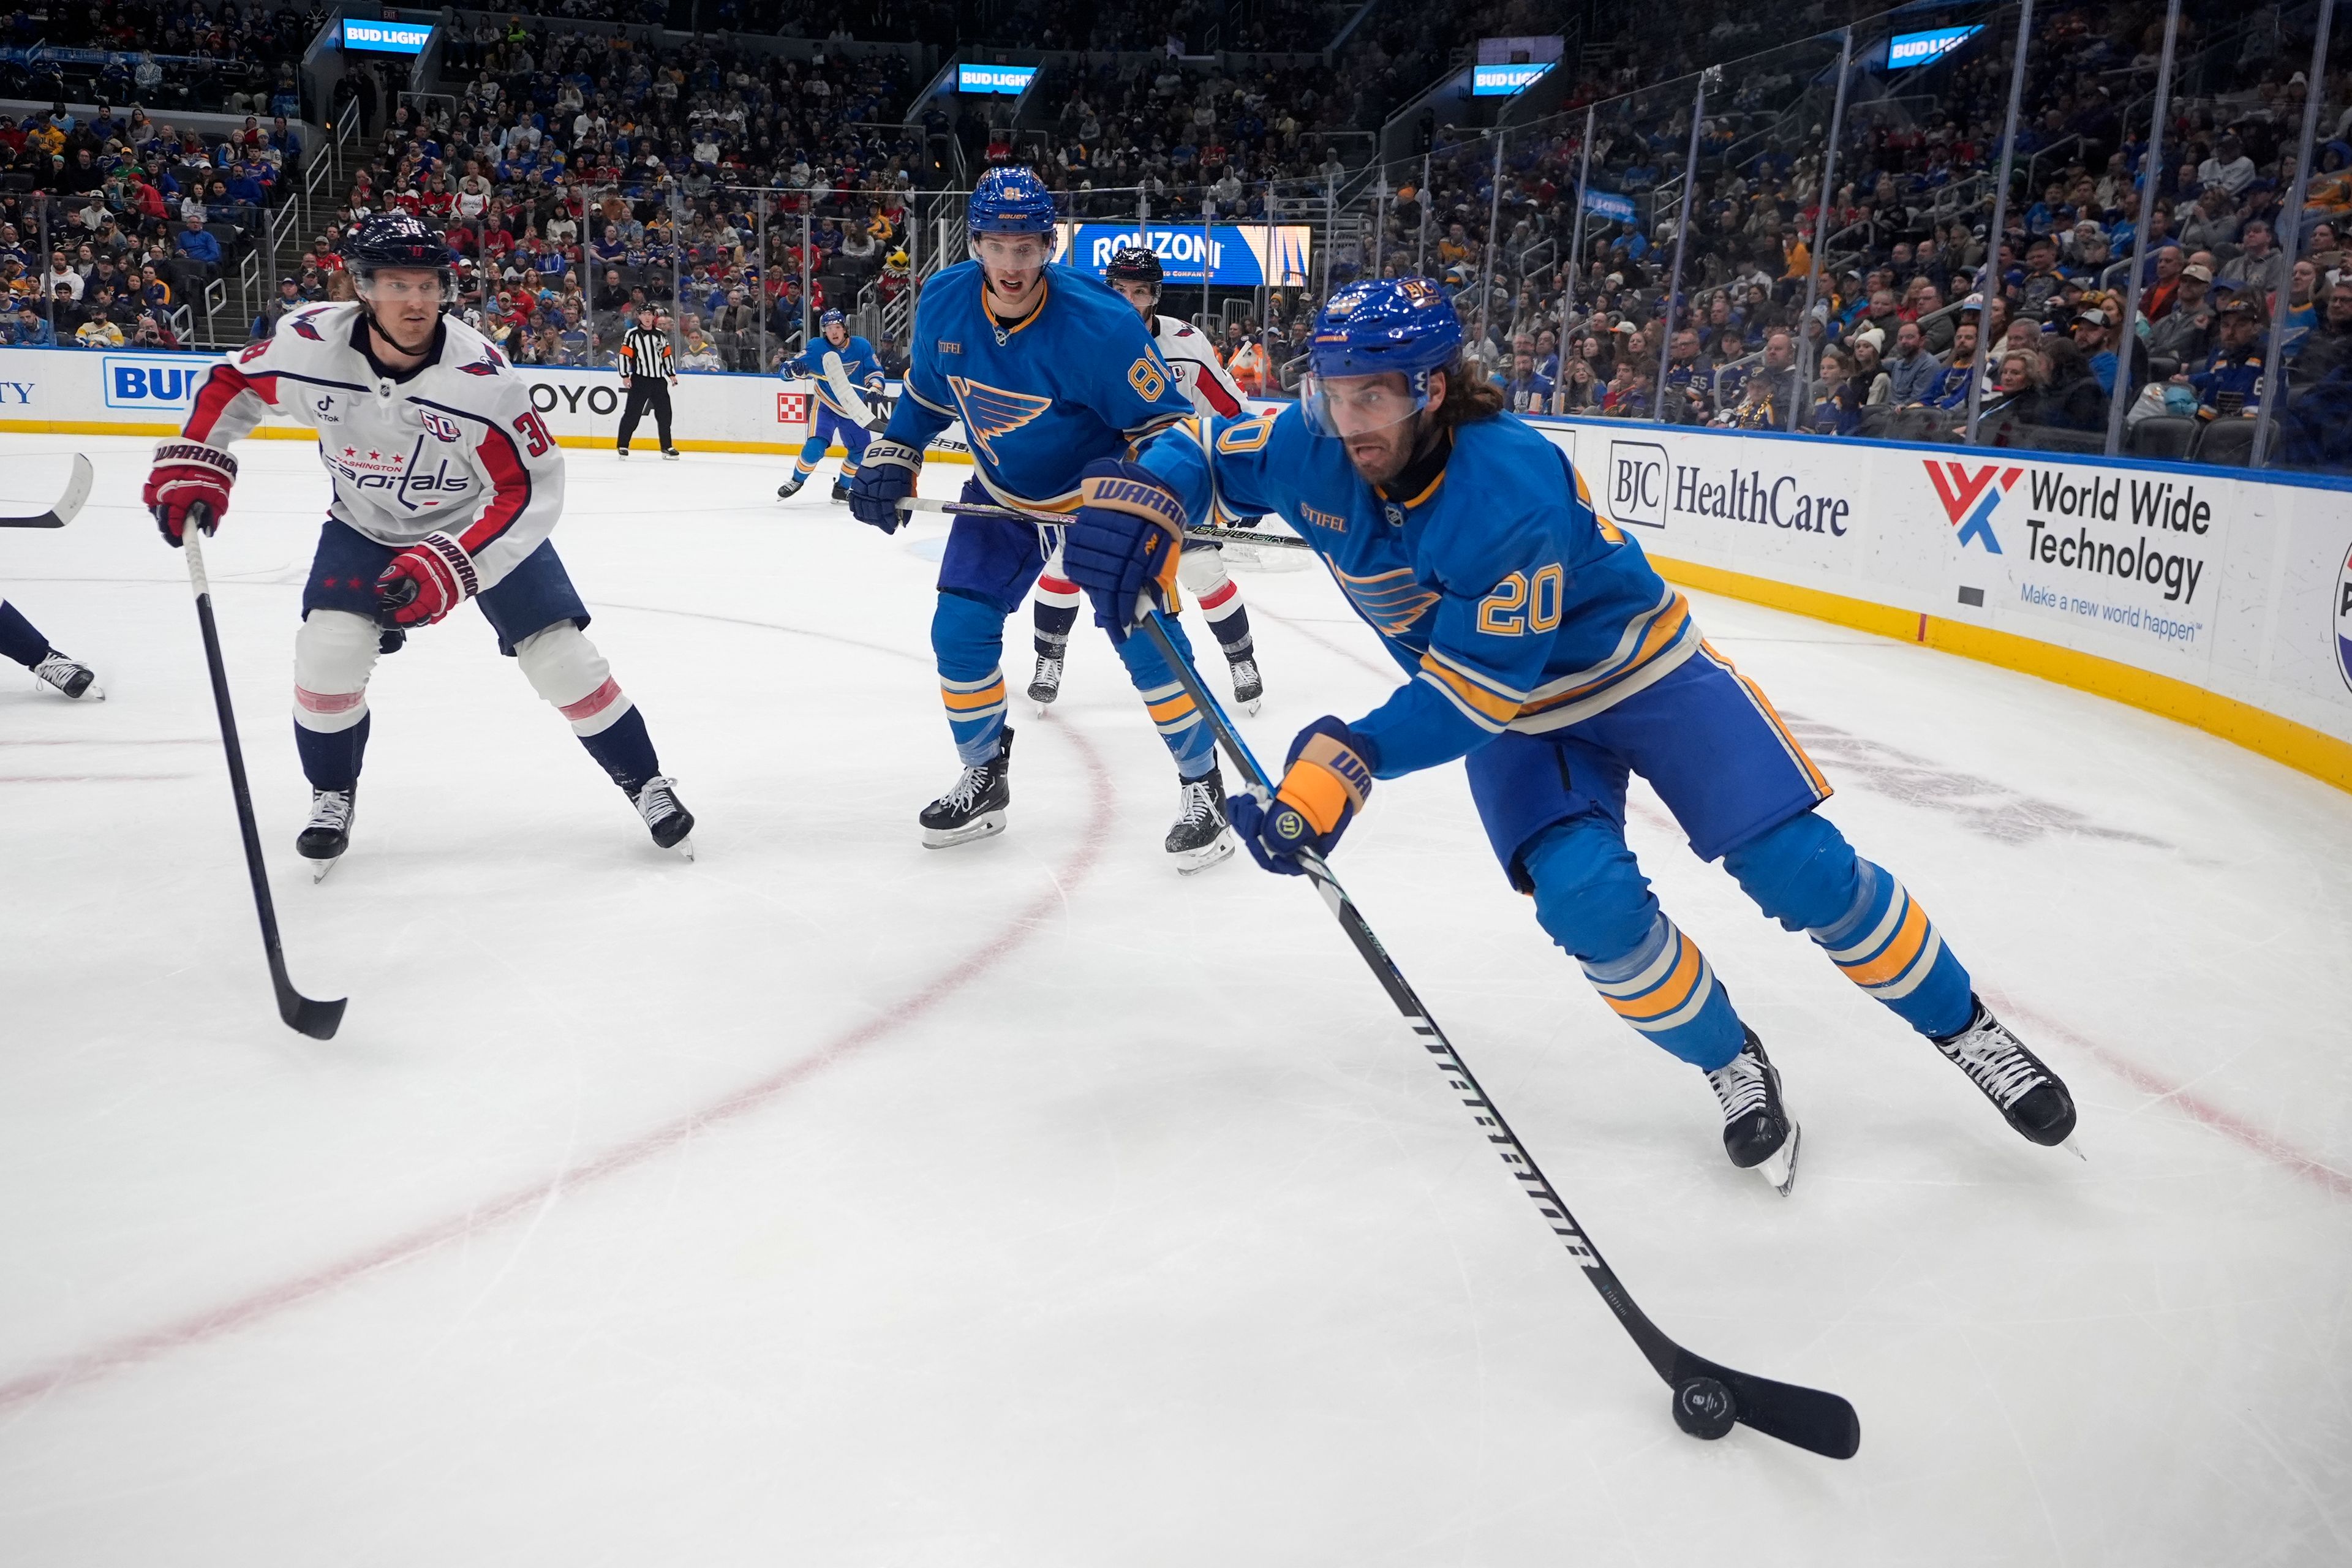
(1198, 370)
(452, 448)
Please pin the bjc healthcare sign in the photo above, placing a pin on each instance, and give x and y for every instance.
(1224, 255)
(387, 37)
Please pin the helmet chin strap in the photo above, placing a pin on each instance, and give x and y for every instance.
(376, 326)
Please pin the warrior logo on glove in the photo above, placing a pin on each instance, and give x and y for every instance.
(1327, 783)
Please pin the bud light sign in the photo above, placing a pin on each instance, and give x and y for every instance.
(387, 37)
(1907, 49)
(161, 382)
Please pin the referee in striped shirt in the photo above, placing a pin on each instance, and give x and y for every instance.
(647, 375)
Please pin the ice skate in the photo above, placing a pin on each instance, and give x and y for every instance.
(790, 486)
(621, 453)
(1249, 687)
(73, 679)
(841, 490)
(2029, 1094)
(1200, 839)
(329, 831)
(1046, 684)
(666, 815)
(669, 454)
(974, 805)
(1757, 1132)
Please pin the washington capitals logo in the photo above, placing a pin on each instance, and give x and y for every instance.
(1970, 498)
(490, 364)
(989, 412)
(302, 327)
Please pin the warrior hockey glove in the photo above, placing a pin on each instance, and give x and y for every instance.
(189, 477)
(425, 583)
(1123, 542)
(885, 476)
(1327, 781)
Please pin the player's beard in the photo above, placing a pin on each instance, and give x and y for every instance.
(1396, 445)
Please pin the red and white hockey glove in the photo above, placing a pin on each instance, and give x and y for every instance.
(188, 476)
(425, 583)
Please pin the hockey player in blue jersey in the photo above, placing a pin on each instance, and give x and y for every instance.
(1539, 645)
(1050, 371)
(864, 369)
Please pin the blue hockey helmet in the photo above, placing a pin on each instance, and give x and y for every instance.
(1385, 324)
(1374, 328)
(831, 318)
(1009, 201)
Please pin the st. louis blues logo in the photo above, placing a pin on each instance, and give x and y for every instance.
(1391, 601)
(1971, 497)
(442, 427)
(989, 412)
(2344, 621)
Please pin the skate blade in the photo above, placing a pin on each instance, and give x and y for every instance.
(684, 847)
(1780, 1170)
(318, 869)
(2074, 1148)
(1249, 709)
(986, 825)
(1189, 862)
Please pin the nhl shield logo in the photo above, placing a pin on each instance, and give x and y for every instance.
(2344, 620)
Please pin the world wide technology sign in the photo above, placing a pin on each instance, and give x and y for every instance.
(1225, 256)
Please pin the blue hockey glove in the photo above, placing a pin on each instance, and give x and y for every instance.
(885, 476)
(1123, 542)
(1326, 780)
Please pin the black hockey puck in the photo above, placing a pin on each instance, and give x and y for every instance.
(1704, 1408)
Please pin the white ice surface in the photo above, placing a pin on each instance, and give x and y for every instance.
(830, 1201)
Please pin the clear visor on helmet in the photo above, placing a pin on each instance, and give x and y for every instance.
(1013, 252)
(1349, 405)
(395, 286)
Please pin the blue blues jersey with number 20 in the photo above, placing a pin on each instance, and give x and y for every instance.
(1511, 603)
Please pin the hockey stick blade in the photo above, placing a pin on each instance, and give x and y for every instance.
(303, 1014)
(77, 492)
(1807, 1418)
(836, 376)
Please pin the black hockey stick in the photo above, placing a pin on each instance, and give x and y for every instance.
(1192, 535)
(317, 1019)
(1807, 1418)
(58, 516)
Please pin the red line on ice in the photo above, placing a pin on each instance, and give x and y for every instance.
(2235, 1128)
(227, 1318)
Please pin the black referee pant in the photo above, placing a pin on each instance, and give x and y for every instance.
(646, 392)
